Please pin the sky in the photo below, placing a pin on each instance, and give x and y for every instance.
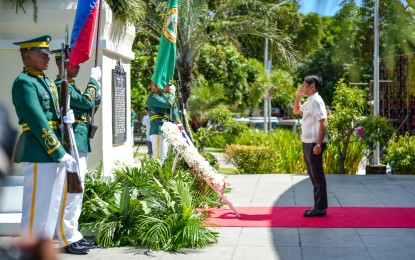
(323, 7)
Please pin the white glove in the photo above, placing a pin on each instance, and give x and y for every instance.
(172, 88)
(69, 162)
(98, 95)
(96, 73)
(69, 118)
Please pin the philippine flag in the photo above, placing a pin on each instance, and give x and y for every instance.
(83, 31)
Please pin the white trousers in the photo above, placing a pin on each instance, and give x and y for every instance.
(70, 211)
(42, 193)
(159, 145)
(132, 134)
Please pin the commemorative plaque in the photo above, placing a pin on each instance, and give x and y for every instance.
(119, 104)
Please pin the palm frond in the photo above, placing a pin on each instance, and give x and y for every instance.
(153, 232)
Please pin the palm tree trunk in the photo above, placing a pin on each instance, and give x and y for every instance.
(186, 84)
(342, 156)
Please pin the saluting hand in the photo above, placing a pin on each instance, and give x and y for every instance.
(300, 90)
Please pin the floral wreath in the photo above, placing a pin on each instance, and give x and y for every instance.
(186, 150)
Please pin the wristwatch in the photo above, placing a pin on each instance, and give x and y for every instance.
(318, 145)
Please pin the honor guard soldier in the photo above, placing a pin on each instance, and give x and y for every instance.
(159, 105)
(82, 103)
(39, 151)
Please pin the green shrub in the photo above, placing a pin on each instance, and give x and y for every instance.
(221, 122)
(400, 154)
(354, 155)
(253, 159)
(288, 148)
(220, 140)
(285, 143)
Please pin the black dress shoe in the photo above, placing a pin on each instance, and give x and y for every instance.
(306, 212)
(86, 243)
(314, 213)
(76, 249)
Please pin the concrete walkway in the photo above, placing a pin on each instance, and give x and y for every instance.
(300, 243)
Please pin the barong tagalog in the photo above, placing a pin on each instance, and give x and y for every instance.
(185, 149)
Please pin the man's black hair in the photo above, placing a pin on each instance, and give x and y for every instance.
(314, 79)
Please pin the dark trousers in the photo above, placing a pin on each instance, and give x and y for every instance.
(315, 170)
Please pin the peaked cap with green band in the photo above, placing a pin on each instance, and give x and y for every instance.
(40, 44)
(58, 53)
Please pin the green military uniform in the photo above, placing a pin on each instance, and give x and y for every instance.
(159, 111)
(36, 101)
(81, 104)
(39, 149)
(175, 117)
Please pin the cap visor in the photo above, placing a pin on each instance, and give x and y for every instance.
(45, 51)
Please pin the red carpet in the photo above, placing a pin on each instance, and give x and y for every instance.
(337, 217)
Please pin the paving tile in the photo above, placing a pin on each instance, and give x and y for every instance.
(282, 202)
(304, 202)
(267, 253)
(274, 190)
(338, 253)
(207, 253)
(406, 232)
(269, 200)
(330, 237)
(398, 202)
(228, 236)
(397, 253)
(358, 199)
(261, 237)
(304, 193)
(395, 241)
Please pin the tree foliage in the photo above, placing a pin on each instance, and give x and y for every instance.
(201, 22)
(348, 114)
(129, 11)
(400, 154)
(347, 42)
(241, 80)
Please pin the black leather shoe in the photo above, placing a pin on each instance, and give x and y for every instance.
(86, 243)
(314, 213)
(76, 249)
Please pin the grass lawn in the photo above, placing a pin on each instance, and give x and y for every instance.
(228, 170)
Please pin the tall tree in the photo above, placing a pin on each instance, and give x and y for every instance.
(199, 25)
(348, 42)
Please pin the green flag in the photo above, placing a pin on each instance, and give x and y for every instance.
(166, 59)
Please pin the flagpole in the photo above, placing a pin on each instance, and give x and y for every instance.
(91, 122)
(97, 34)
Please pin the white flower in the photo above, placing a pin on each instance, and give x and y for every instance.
(186, 150)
